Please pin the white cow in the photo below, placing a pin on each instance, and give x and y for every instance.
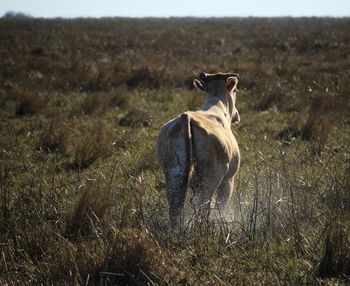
(198, 149)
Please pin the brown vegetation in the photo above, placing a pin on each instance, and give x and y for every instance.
(138, 259)
(29, 103)
(91, 208)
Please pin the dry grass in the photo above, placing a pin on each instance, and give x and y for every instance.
(98, 103)
(120, 98)
(94, 144)
(320, 121)
(72, 263)
(137, 259)
(55, 137)
(144, 78)
(273, 97)
(335, 261)
(136, 117)
(194, 100)
(90, 209)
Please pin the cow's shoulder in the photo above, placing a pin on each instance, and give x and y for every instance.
(210, 123)
(214, 132)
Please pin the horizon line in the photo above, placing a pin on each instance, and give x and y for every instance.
(28, 16)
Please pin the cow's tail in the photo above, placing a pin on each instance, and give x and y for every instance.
(186, 128)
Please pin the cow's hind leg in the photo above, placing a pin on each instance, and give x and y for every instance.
(176, 194)
(224, 194)
(204, 188)
(176, 200)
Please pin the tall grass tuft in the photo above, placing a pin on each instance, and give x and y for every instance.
(320, 121)
(336, 255)
(54, 137)
(89, 210)
(94, 144)
(137, 259)
(29, 102)
(90, 104)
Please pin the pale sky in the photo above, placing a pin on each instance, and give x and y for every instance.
(179, 8)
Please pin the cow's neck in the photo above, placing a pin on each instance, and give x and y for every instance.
(216, 105)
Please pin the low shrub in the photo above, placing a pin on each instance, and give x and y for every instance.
(29, 103)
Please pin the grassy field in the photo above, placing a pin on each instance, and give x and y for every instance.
(82, 200)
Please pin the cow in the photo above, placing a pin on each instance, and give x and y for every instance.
(197, 149)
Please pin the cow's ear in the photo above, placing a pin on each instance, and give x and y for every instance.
(198, 84)
(231, 83)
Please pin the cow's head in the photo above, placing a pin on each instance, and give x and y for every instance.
(222, 86)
